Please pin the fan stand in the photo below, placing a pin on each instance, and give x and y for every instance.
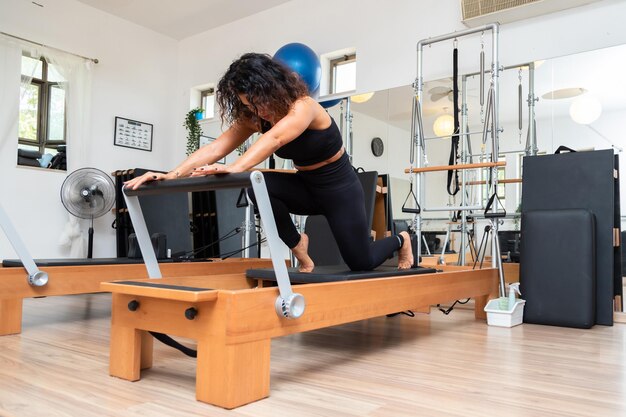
(90, 241)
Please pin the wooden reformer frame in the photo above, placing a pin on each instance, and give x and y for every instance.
(67, 280)
(233, 327)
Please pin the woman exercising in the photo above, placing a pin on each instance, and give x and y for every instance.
(259, 94)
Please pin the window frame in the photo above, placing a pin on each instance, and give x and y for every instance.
(337, 62)
(45, 86)
(206, 93)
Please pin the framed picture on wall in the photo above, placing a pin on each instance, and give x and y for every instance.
(205, 140)
(133, 134)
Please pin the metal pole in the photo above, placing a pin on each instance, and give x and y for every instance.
(247, 228)
(531, 143)
(452, 208)
(495, 71)
(417, 176)
(349, 129)
(464, 140)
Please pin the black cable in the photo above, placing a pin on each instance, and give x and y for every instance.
(406, 313)
(449, 309)
(229, 254)
(188, 254)
(166, 340)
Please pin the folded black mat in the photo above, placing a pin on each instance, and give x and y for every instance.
(558, 268)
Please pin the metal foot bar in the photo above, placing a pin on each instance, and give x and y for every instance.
(288, 304)
(35, 277)
(453, 208)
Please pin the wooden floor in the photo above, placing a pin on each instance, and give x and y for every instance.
(430, 365)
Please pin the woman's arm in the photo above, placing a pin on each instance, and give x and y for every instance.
(287, 129)
(208, 154)
(216, 150)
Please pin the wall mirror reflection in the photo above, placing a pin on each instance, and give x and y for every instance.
(577, 102)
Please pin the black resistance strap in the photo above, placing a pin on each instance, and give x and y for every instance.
(453, 188)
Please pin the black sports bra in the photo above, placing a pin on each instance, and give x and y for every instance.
(312, 146)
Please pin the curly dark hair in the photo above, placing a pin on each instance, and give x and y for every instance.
(266, 83)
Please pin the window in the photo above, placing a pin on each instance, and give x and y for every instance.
(42, 116)
(343, 74)
(207, 102)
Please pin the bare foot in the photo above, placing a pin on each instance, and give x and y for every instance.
(301, 252)
(405, 253)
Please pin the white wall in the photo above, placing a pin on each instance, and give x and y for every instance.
(134, 79)
(385, 39)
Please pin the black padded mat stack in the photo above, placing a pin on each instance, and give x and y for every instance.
(559, 291)
(578, 180)
(336, 273)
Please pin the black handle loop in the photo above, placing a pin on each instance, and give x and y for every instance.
(497, 214)
(242, 201)
(563, 148)
(411, 210)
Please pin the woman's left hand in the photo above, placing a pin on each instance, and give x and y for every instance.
(214, 169)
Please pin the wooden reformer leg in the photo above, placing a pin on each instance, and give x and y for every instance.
(232, 375)
(10, 316)
(130, 352)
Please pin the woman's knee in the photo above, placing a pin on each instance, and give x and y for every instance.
(362, 263)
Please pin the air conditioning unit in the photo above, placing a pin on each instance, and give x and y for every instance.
(481, 12)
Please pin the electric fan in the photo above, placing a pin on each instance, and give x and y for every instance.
(88, 193)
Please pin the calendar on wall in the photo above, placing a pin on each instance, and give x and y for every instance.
(133, 134)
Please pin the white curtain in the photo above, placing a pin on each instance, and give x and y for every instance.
(77, 75)
(10, 61)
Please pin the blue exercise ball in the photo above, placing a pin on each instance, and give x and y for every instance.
(302, 60)
(330, 103)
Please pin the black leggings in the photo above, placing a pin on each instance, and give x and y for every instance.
(334, 191)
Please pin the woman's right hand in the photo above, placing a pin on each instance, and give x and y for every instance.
(147, 177)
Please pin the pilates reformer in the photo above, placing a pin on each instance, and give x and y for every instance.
(27, 278)
(233, 317)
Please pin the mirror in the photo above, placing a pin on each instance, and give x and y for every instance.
(579, 103)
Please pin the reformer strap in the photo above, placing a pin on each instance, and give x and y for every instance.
(417, 209)
(453, 187)
(496, 213)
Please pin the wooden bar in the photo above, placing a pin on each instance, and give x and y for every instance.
(455, 167)
(234, 329)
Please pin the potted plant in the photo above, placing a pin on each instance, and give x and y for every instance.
(194, 131)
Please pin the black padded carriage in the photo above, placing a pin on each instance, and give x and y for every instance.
(336, 273)
(79, 262)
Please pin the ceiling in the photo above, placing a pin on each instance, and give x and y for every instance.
(182, 18)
